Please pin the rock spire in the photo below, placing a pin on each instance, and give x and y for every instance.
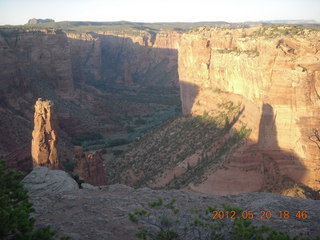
(44, 136)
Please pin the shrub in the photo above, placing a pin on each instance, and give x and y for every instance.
(130, 129)
(178, 109)
(90, 136)
(117, 142)
(77, 178)
(68, 166)
(162, 222)
(140, 121)
(117, 152)
(15, 209)
(104, 151)
(93, 142)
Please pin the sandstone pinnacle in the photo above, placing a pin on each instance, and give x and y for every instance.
(44, 136)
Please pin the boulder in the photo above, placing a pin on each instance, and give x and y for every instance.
(43, 181)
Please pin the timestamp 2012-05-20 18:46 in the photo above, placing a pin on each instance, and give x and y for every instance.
(249, 214)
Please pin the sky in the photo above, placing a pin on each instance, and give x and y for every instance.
(17, 12)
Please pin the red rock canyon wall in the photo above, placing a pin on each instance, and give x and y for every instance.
(276, 77)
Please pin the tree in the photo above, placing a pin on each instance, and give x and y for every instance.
(15, 209)
(315, 137)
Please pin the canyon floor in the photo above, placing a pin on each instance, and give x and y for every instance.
(175, 112)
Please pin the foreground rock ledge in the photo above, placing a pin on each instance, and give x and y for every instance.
(102, 213)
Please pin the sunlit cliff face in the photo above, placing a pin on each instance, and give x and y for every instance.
(44, 147)
(274, 73)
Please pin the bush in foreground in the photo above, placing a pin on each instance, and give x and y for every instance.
(164, 223)
(15, 209)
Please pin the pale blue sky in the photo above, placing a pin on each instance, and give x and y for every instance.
(19, 11)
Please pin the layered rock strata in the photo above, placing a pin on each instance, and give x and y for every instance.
(32, 63)
(71, 69)
(44, 136)
(90, 167)
(275, 73)
(134, 59)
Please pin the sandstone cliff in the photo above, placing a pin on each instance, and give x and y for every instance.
(34, 55)
(136, 58)
(274, 72)
(82, 73)
(33, 63)
(90, 167)
(44, 136)
(264, 79)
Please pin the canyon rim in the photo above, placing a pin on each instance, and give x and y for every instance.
(194, 110)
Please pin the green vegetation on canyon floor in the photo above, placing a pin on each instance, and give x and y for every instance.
(207, 138)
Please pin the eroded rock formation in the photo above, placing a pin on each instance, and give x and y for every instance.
(71, 69)
(90, 167)
(275, 73)
(44, 136)
(33, 63)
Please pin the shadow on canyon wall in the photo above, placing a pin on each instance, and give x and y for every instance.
(110, 65)
(188, 94)
(113, 61)
(282, 171)
(267, 129)
(131, 76)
